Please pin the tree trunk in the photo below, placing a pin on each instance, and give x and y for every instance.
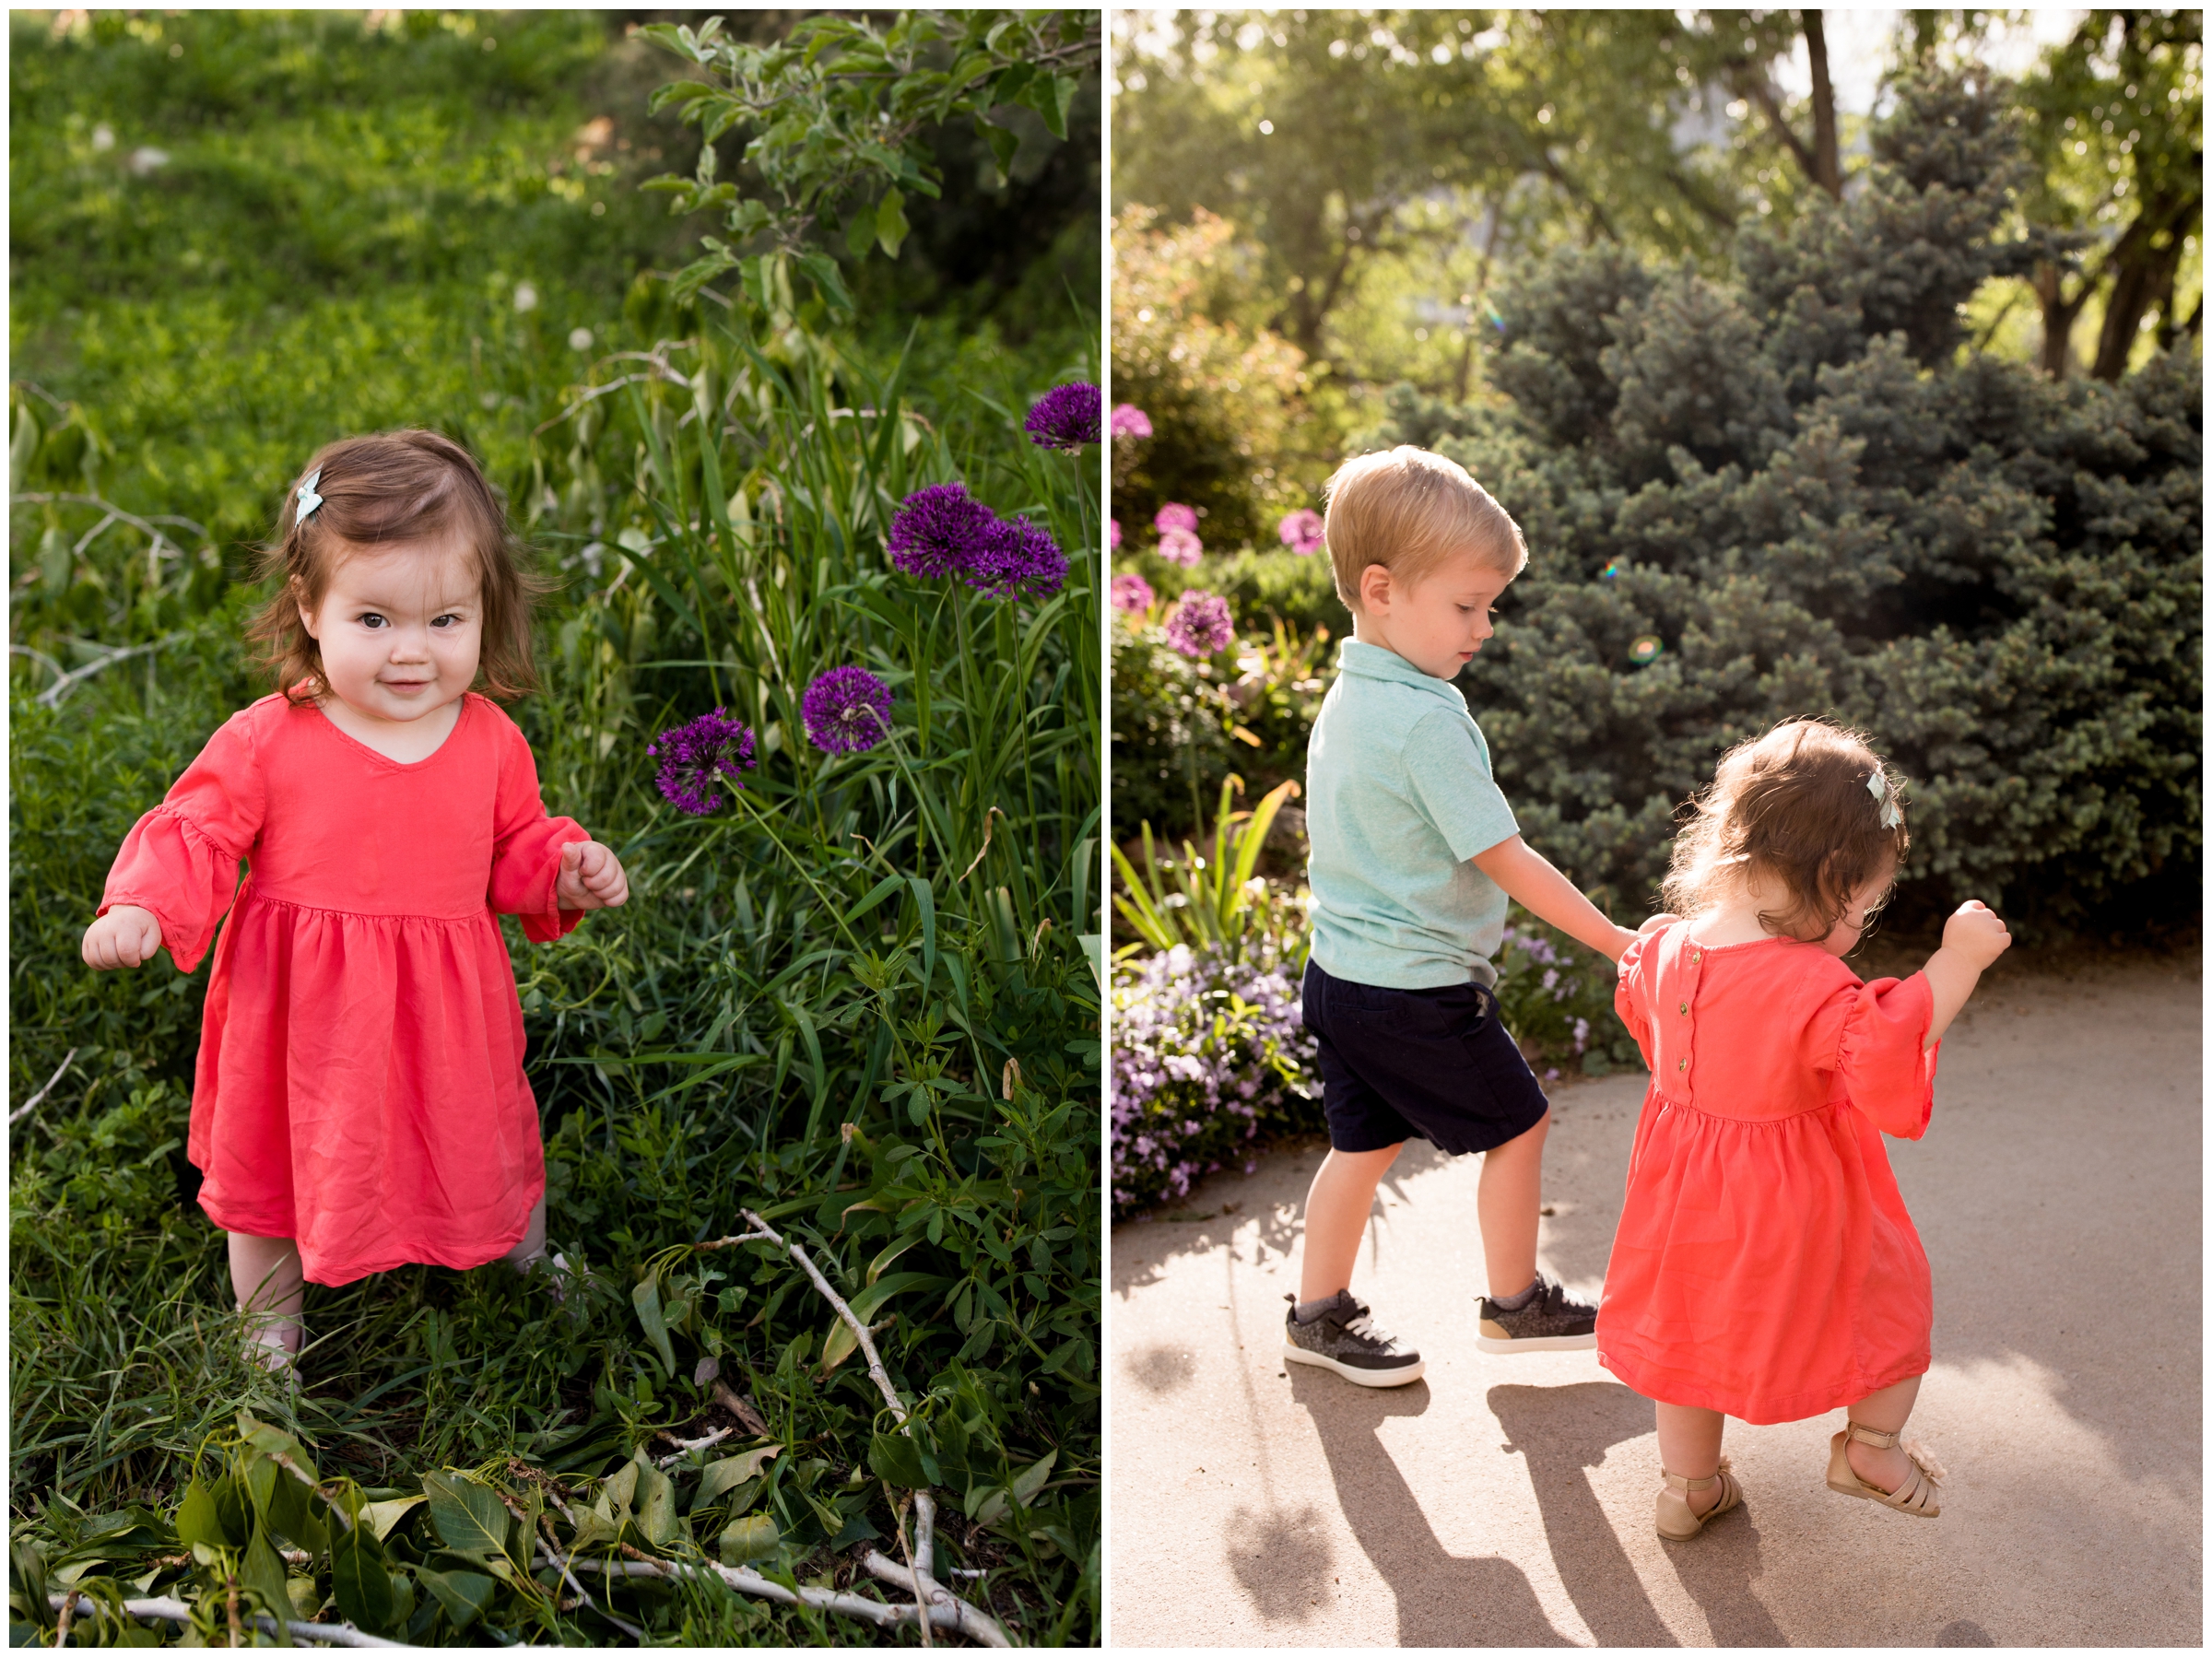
(1828, 160)
(2058, 318)
(2144, 264)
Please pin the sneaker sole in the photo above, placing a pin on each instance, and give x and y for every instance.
(1546, 1343)
(1362, 1378)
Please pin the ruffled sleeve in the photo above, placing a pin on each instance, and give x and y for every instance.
(1875, 1035)
(1631, 994)
(180, 860)
(525, 847)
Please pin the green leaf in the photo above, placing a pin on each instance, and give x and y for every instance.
(656, 1503)
(470, 1520)
(359, 1581)
(646, 1298)
(463, 1593)
(382, 1515)
(927, 902)
(891, 222)
(827, 280)
(730, 1472)
(1030, 1480)
(896, 1458)
(754, 1537)
(259, 1569)
(200, 1519)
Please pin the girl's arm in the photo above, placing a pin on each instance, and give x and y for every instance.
(1973, 938)
(125, 936)
(1526, 876)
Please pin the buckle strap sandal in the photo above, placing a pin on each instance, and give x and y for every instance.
(1916, 1496)
(1677, 1521)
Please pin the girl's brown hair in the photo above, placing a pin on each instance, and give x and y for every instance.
(390, 486)
(1792, 807)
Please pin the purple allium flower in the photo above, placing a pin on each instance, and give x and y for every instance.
(847, 711)
(1199, 624)
(1131, 421)
(1019, 560)
(938, 531)
(1175, 515)
(694, 755)
(1065, 417)
(1132, 592)
(1113, 533)
(1300, 531)
(1181, 546)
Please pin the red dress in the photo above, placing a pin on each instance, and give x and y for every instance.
(361, 1082)
(1765, 1265)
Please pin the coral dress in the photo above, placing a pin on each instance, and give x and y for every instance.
(361, 1082)
(1765, 1265)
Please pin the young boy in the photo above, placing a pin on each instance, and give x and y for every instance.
(1413, 853)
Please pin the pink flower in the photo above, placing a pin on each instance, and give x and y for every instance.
(1181, 546)
(1113, 533)
(1129, 420)
(1301, 531)
(1174, 515)
(1132, 592)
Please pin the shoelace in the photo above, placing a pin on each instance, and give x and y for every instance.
(1364, 1327)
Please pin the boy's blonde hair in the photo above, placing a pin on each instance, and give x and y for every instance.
(1406, 509)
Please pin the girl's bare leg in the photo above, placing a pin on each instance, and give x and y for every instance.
(526, 1254)
(1336, 1211)
(265, 1276)
(1505, 1207)
(1886, 1412)
(1689, 1445)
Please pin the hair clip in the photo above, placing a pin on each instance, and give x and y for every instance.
(309, 500)
(1878, 786)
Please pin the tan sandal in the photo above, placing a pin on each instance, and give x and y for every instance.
(1677, 1521)
(1916, 1496)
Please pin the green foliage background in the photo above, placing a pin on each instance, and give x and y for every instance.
(894, 1060)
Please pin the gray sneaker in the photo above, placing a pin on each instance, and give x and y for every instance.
(1549, 1323)
(1344, 1338)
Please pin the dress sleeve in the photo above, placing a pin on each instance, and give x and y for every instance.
(526, 849)
(1879, 1032)
(180, 860)
(1631, 994)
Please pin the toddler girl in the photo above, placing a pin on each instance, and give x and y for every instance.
(360, 1102)
(1765, 1266)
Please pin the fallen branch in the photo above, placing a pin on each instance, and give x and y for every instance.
(746, 1580)
(30, 1104)
(972, 1623)
(559, 1561)
(176, 1611)
(51, 696)
(683, 1447)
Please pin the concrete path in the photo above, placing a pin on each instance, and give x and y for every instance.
(1508, 1501)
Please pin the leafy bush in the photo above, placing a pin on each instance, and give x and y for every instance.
(1792, 494)
(1172, 719)
(1556, 996)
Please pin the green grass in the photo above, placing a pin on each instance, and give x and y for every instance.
(860, 1000)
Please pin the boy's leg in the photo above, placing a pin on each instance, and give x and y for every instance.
(1886, 1412)
(1689, 1446)
(1337, 1206)
(265, 1276)
(1505, 1205)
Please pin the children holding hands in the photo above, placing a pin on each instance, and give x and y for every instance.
(359, 1102)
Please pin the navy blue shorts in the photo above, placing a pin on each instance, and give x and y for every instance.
(1434, 1065)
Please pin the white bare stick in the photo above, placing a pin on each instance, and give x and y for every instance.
(972, 1623)
(924, 1506)
(753, 1582)
(176, 1611)
(30, 1104)
(51, 696)
(560, 1563)
(683, 1447)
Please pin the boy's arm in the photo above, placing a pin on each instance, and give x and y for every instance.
(1526, 876)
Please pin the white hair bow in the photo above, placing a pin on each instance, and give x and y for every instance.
(309, 500)
(1878, 786)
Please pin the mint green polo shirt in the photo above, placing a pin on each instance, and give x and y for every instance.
(1398, 797)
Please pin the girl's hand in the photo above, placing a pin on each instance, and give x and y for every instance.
(1975, 932)
(125, 936)
(591, 877)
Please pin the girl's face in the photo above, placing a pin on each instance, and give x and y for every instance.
(400, 627)
(1857, 917)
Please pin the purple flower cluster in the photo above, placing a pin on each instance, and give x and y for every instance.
(1199, 625)
(1558, 1002)
(1301, 531)
(847, 711)
(1132, 592)
(1207, 1050)
(943, 530)
(1066, 416)
(1130, 422)
(697, 756)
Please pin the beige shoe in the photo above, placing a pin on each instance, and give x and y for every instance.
(1677, 1521)
(1916, 1496)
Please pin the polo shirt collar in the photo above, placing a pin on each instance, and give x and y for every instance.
(1366, 661)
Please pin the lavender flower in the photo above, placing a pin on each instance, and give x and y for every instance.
(1019, 560)
(1065, 417)
(1132, 592)
(1301, 531)
(1175, 515)
(847, 711)
(1130, 422)
(1181, 546)
(694, 755)
(938, 531)
(1199, 625)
